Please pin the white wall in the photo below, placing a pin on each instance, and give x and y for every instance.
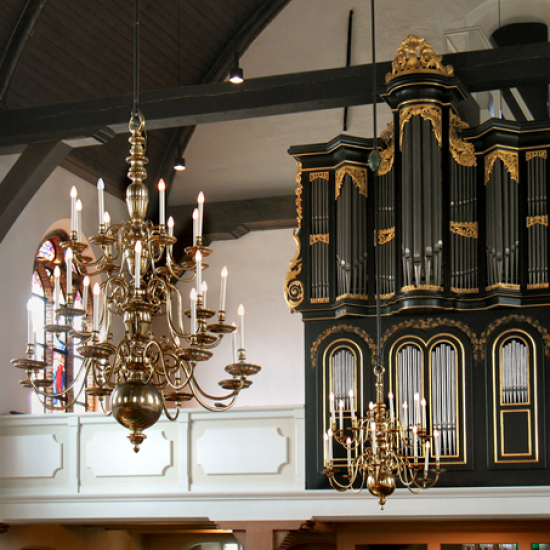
(49, 208)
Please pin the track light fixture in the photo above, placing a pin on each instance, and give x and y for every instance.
(236, 75)
(179, 161)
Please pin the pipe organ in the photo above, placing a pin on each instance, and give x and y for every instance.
(462, 229)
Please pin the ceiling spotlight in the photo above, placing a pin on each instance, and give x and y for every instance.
(179, 161)
(236, 75)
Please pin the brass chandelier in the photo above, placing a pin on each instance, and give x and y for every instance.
(143, 372)
(382, 447)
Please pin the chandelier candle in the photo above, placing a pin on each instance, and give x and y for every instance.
(201, 213)
(56, 278)
(198, 266)
(223, 292)
(85, 289)
(69, 260)
(195, 225)
(332, 411)
(240, 313)
(352, 406)
(341, 415)
(193, 298)
(30, 330)
(392, 411)
(101, 202)
(137, 279)
(97, 305)
(204, 290)
(74, 195)
(79, 217)
(162, 202)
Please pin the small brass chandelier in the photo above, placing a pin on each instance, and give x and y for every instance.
(143, 372)
(381, 448)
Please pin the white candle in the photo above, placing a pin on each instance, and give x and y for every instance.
(427, 461)
(204, 290)
(30, 330)
(101, 200)
(351, 404)
(405, 416)
(330, 455)
(74, 194)
(240, 312)
(348, 451)
(423, 405)
(437, 446)
(371, 409)
(392, 410)
(170, 233)
(417, 408)
(57, 277)
(137, 279)
(79, 219)
(195, 225)
(235, 356)
(415, 440)
(325, 448)
(198, 267)
(86, 286)
(193, 298)
(162, 202)
(341, 414)
(373, 432)
(107, 220)
(201, 213)
(96, 314)
(332, 411)
(223, 292)
(69, 260)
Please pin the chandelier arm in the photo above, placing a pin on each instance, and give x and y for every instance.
(103, 409)
(179, 366)
(175, 330)
(197, 391)
(179, 278)
(168, 415)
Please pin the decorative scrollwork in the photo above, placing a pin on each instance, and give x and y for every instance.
(537, 220)
(415, 55)
(387, 154)
(427, 112)
(358, 176)
(509, 159)
(299, 191)
(538, 286)
(313, 239)
(318, 176)
(431, 323)
(462, 151)
(294, 289)
(465, 229)
(341, 328)
(505, 286)
(412, 288)
(386, 235)
(540, 153)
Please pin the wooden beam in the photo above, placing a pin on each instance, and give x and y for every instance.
(274, 95)
(30, 171)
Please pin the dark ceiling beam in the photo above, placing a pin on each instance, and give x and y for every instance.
(274, 95)
(232, 219)
(18, 41)
(29, 172)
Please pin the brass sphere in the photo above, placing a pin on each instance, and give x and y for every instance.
(381, 487)
(136, 406)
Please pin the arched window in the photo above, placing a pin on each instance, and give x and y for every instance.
(58, 349)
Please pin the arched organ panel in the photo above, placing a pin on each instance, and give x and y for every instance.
(463, 209)
(502, 219)
(319, 239)
(351, 230)
(421, 211)
(537, 218)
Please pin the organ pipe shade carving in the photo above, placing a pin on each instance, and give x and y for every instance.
(357, 175)
(298, 193)
(508, 158)
(387, 152)
(463, 152)
(319, 239)
(293, 288)
(415, 55)
(427, 112)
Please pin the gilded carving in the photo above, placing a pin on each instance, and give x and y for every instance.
(318, 176)
(415, 55)
(465, 229)
(387, 154)
(541, 153)
(522, 319)
(462, 151)
(430, 323)
(427, 112)
(313, 239)
(353, 296)
(386, 235)
(320, 300)
(509, 159)
(294, 289)
(464, 290)
(537, 220)
(341, 328)
(358, 176)
(299, 190)
(537, 286)
(505, 286)
(411, 288)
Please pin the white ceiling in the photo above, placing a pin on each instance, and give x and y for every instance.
(248, 158)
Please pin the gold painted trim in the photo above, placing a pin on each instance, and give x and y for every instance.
(411, 288)
(318, 176)
(387, 154)
(464, 290)
(294, 289)
(506, 286)
(534, 220)
(358, 176)
(462, 151)
(320, 300)
(298, 193)
(540, 153)
(385, 296)
(408, 62)
(427, 112)
(538, 286)
(334, 330)
(386, 235)
(465, 229)
(510, 161)
(313, 239)
(354, 296)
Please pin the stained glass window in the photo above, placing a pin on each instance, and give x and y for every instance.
(59, 374)
(37, 287)
(46, 251)
(78, 300)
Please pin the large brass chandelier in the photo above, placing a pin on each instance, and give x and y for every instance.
(143, 373)
(382, 447)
